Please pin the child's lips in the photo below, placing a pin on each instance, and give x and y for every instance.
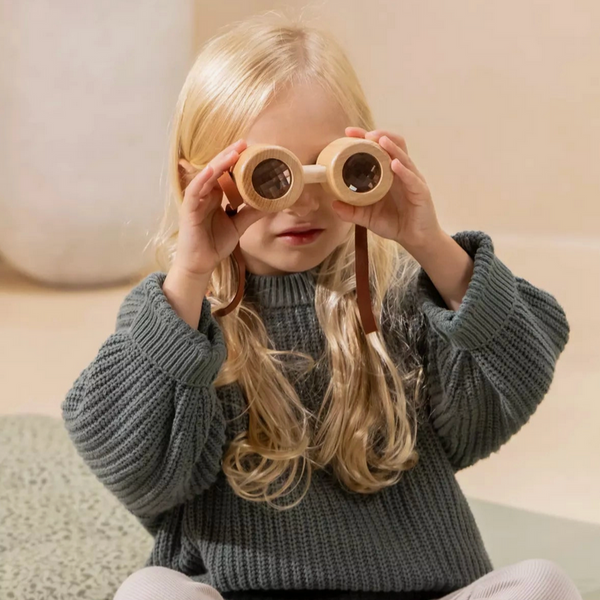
(304, 237)
(306, 232)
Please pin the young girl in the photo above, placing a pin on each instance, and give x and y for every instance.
(333, 473)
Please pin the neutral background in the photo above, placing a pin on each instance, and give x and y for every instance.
(500, 107)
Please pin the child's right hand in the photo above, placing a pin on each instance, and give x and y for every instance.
(207, 235)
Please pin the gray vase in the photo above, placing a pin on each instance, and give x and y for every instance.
(87, 92)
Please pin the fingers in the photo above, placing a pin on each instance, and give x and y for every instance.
(395, 145)
(355, 132)
(409, 178)
(199, 197)
(219, 165)
(399, 153)
(376, 134)
(206, 180)
(246, 216)
(191, 196)
(219, 162)
(235, 148)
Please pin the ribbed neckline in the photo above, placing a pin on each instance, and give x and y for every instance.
(290, 289)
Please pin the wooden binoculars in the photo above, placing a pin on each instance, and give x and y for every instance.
(271, 178)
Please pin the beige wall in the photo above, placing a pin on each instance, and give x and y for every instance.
(499, 101)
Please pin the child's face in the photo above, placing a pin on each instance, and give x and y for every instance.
(303, 120)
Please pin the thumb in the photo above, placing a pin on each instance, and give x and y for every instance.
(359, 215)
(246, 216)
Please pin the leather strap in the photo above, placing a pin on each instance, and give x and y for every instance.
(363, 292)
(235, 200)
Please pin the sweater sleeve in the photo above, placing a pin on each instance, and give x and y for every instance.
(490, 363)
(144, 414)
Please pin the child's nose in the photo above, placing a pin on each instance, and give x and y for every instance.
(307, 202)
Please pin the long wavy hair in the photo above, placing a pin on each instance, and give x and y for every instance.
(365, 430)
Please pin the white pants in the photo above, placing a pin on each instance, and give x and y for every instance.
(534, 579)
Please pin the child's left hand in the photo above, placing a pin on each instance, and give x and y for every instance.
(406, 213)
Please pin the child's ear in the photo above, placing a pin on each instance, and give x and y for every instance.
(186, 173)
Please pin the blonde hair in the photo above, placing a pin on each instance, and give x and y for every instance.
(365, 430)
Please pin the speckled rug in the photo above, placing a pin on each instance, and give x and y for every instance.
(63, 536)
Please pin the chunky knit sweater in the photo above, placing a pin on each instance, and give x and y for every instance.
(146, 418)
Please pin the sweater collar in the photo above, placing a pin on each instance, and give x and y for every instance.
(289, 289)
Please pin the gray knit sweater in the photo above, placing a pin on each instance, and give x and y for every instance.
(148, 421)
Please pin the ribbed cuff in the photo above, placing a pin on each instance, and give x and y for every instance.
(487, 304)
(190, 356)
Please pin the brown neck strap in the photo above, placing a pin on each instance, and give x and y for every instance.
(363, 294)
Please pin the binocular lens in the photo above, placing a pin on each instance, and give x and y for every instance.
(271, 179)
(361, 172)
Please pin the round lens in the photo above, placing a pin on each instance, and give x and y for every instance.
(361, 172)
(271, 179)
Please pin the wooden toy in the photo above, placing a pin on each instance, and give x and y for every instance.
(271, 178)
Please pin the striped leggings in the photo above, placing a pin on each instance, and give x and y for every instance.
(534, 579)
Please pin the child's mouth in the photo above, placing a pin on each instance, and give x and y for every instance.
(304, 237)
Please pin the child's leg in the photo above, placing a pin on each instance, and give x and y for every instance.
(534, 579)
(160, 583)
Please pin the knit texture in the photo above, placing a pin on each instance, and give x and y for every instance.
(148, 421)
